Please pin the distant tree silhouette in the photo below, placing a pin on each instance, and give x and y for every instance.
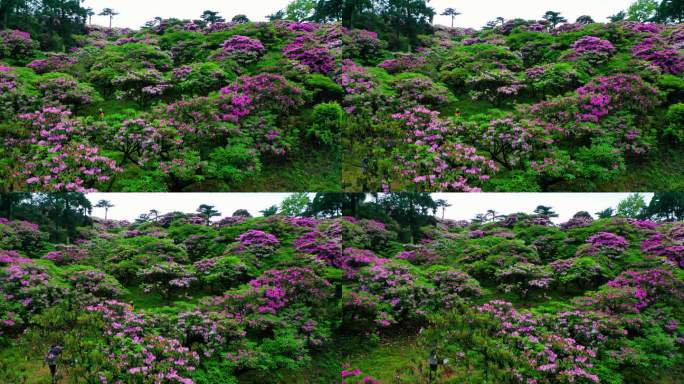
(207, 212)
(554, 18)
(545, 211)
(240, 19)
(606, 213)
(106, 204)
(270, 211)
(242, 213)
(585, 19)
(109, 12)
(212, 17)
(451, 12)
(620, 16)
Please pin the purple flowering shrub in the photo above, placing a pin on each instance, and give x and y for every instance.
(54, 161)
(21, 235)
(63, 90)
(668, 244)
(309, 51)
(420, 91)
(95, 285)
(221, 273)
(579, 274)
(656, 51)
(636, 291)
(264, 92)
(243, 49)
(355, 376)
(395, 284)
(66, 254)
(593, 49)
(16, 45)
(434, 162)
(166, 278)
(258, 243)
(524, 279)
(55, 62)
(135, 355)
(275, 290)
(452, 285)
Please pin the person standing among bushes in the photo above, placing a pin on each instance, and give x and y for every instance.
(51, 360)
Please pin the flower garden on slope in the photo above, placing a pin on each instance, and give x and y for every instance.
(281, 299)
(176, 107)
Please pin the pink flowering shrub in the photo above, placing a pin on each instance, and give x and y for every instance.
(135, 355)
(432, 161)
(62, 90)
(524, 279)
(622, 92)
(606, 243)
(668, 244)
(265, 92)
(420, 91)
(355, 376)
(647, 288)
(66, 254)
(259, 243)
(659, 53)
(221, 273)
(243, 49)
(166, 278)
(54, 161)
(56, 62)
(394, 284)
(309, 52)
(452, 285)
(17, 45)
(548, 357)
(593, 49)
(21, 236)
(95, 285)
(403, 63)
(275, 289)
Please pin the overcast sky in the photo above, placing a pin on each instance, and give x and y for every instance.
(134, 13)
(128, 206)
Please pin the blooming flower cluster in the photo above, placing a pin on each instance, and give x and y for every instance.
(261, 92)
(657, 51)
(55, 161)
(594, 49)
(309, 51)
(167, 278)
(259, 243)
(243, 49)
(134, 355)
(56, 62)
(434, 162)
(15, 44)
(607, 243)
(668, 244)
(650, 286)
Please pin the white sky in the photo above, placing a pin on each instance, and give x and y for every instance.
(134, 13)
(128, 206)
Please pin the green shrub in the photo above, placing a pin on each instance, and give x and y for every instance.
(326, 124)
(675, 118)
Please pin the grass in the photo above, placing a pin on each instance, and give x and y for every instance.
(310, 171)
(390, 356)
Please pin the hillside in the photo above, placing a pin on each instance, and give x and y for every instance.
(302, 300)
(285, 106)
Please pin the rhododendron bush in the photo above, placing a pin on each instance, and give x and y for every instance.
(522, 106)
(516, 298)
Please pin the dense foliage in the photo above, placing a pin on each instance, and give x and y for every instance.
(206, 106)
(508, 299)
